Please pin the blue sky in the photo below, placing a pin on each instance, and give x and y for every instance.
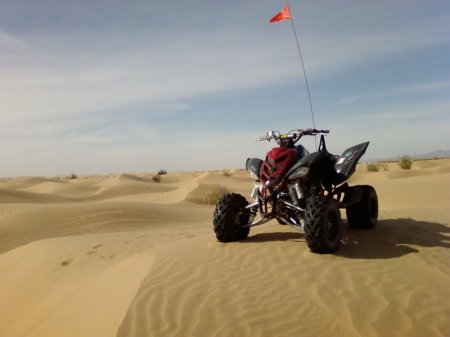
(130, 86)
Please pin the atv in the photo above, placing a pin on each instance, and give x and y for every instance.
(300, 189)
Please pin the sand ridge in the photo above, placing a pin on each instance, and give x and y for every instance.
(123, 255)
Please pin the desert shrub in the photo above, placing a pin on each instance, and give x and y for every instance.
(226, 173)
(72, 176)
(373, 167)
(384, 166)
(162, 172)
(405, 162)
(157, 178)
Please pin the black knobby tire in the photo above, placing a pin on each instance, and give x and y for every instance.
(229, 217)
(364, 214)
(322, 225)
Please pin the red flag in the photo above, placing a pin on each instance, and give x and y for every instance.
(285, 14)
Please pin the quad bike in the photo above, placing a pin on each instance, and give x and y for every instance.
(300, 189)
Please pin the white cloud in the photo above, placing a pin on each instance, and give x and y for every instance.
(425, 87)
(349, 99)
(182, 70)
(128, 134)
(393, 129)
(10, 42)
(328, 53)
(401, 92)
(222, 59)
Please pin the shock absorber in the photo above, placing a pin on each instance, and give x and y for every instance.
(295, 193)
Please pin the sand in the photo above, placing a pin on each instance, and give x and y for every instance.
(122, 255)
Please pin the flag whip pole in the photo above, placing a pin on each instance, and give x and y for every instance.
(303, 67)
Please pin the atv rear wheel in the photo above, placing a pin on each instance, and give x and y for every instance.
(364, 214)
(229, 218)
(322, 225)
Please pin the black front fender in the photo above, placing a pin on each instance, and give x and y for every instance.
(254, 165)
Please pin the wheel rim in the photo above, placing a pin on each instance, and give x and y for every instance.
(241, 219)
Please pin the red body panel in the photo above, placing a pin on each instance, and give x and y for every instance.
(278, 161)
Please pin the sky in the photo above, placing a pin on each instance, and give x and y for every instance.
(97, 86)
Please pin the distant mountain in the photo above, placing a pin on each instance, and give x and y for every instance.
(429, 155)
(435, 154)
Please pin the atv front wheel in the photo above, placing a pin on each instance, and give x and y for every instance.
(229, 218)
(364, 214)
(322, 225)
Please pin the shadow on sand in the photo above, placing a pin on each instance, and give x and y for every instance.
(276, 236)
(391, 238)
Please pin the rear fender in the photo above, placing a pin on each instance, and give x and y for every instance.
(346, 163)
(353, 195)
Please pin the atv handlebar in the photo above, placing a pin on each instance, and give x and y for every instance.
(293, 135)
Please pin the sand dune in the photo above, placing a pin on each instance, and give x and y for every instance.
(126, 256)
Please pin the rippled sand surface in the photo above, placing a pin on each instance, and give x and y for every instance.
(125, 256)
